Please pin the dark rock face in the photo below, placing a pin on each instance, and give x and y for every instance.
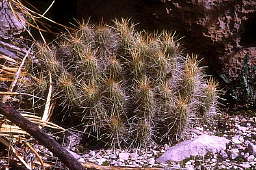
(218, 30)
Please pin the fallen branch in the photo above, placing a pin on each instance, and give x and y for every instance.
(11, 50)
(17, 75)
(100, 167)
(14, 116)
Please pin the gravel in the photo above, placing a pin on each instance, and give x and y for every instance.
(240, 152)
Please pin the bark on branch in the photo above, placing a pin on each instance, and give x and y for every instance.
(10, 113)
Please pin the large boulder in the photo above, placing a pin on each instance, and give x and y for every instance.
(199, 146)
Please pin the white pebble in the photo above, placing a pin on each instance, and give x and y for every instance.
(124, 156)
(151, 161)
(250, 158)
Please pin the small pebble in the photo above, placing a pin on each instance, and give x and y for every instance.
(234, 153)
(134, 156)
(250, 158)
(101, 161)
(246, 155)
(124, 156)
(151, 161)
(245, 165)
(92, 153)
(237, 139)
(113, 156)
(81, 160)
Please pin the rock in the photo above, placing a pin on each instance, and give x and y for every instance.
(108, 151)
(92, 153)
(149, 154)
(99, 155)
(250, 158)
(140, 157)
(240, 147)
(190, 167)
(113, 162)
(252, 149)
(134, 156)
(134, 164)
(86, 155)
(253, 164)
(124, 156)
(106, 156)
(72, 139)
(112, 156)
(234, 167)
(246, 155)
(247, 142)
(248, 134)
(222, 167)
(175, 167)
(213, 160)
(91, 160)
(100, 161)
(81, 160)
(151, 161)
(242, 128)
(234, 153)
(237, 139)
(119, 163)
(198, 146)
(245, 165)
(223, 154)
(188, 163)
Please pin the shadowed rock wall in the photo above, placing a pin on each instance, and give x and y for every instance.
(221, 31)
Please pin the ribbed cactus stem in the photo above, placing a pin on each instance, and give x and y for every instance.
(114, 69)
(47, 57)
(137, 64)
(192, 78)
(88, 65)
(119, 81)
(211, 99)
(67, 85)
(145, 99)
(118, 132)
(145, 132)
(106, 42)
(86, 33)
(126, 32)
(182, 114)
(89, 92)
(170, 46)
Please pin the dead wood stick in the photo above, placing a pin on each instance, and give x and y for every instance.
(100, 167)
(21, 51)
(17, 75)
(10, 113)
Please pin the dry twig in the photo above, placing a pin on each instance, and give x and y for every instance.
(14, 116)
(17, 75)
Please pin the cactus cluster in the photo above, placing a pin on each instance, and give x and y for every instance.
(126, 87)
